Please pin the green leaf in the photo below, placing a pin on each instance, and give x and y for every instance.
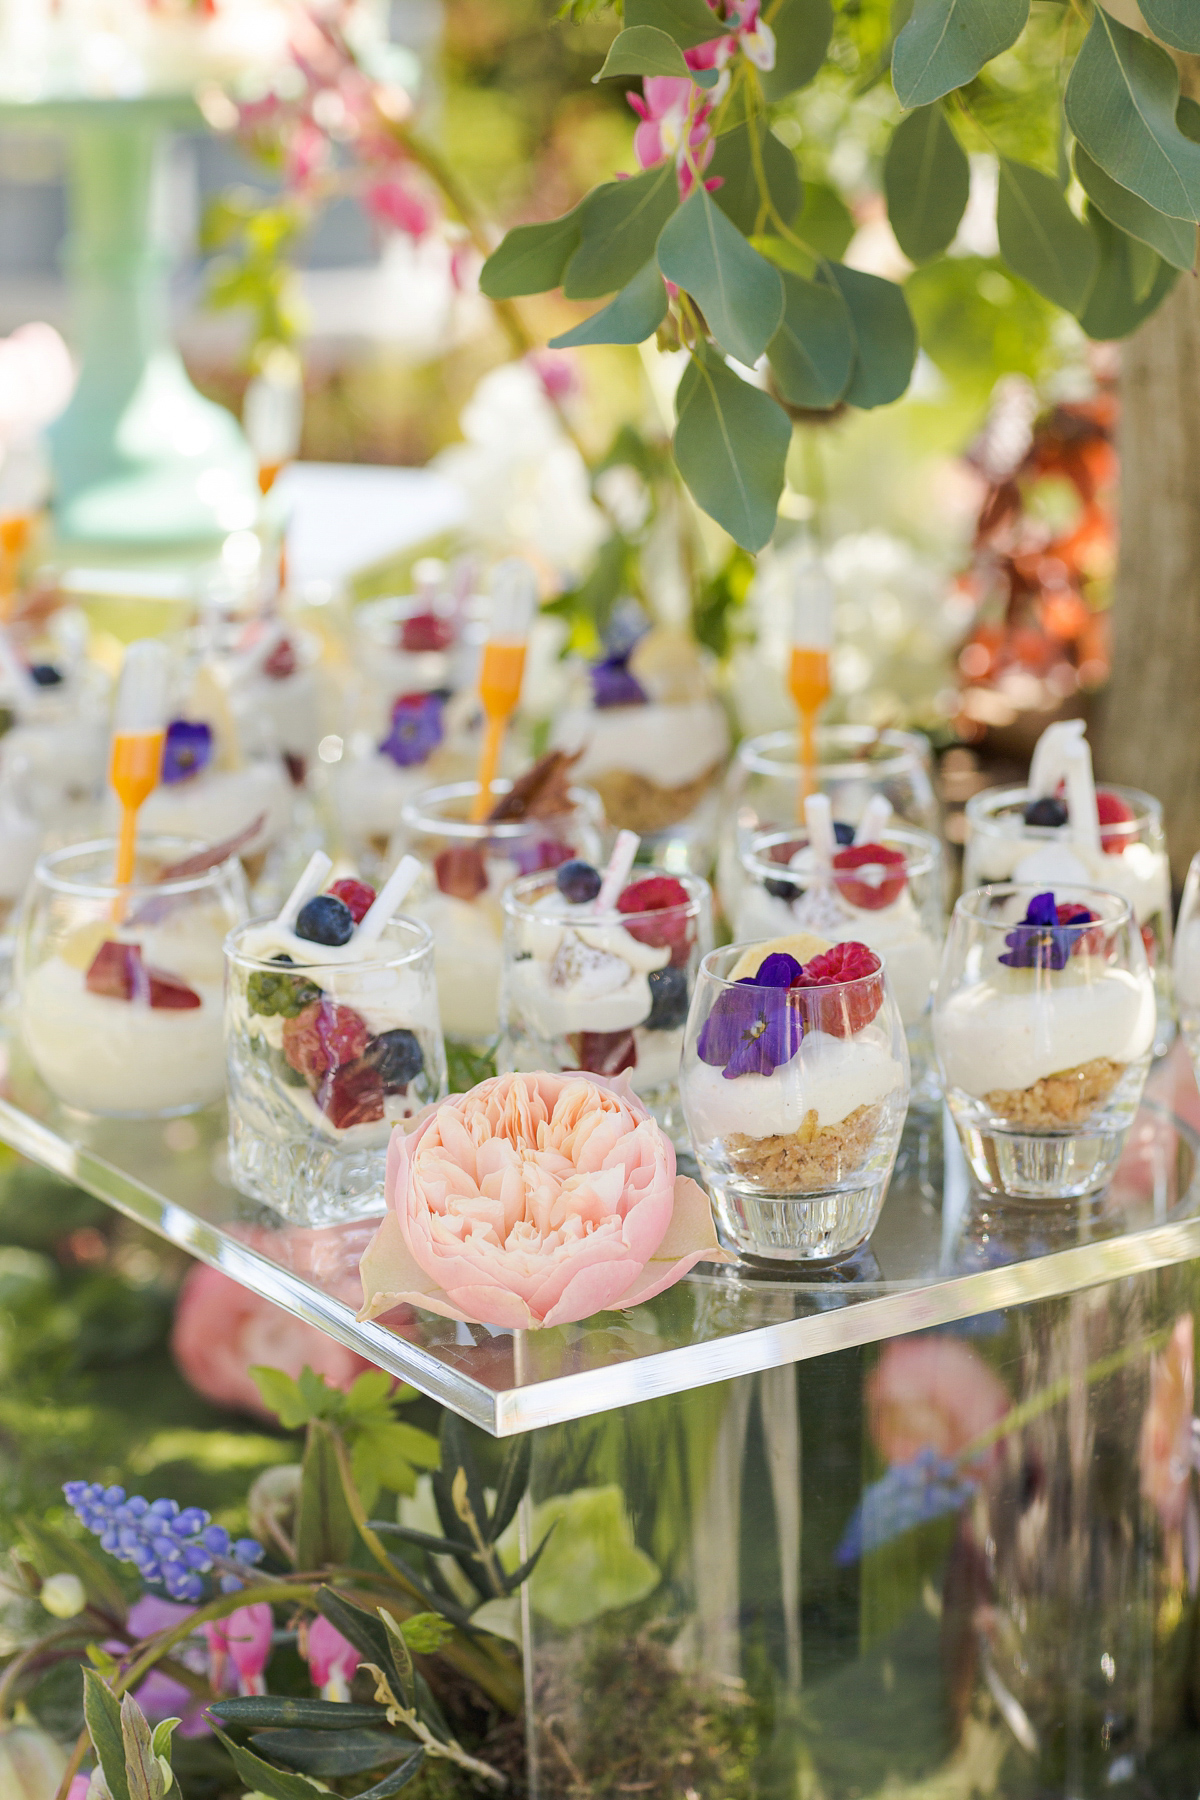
(142, 1770)
(371, 1392)
(262, 1778)
(636, 314)
(1041, 240)
(738, 291)
(802, 30)
(620, 226)
(385, 1456)
(1173, 239)
(282, 1395)
(426, 1632)
(399, 1777)
(363, 1629)
(1113, 308)
(885, 338)
(945, 43)
(825, 221)
(332, 1752)
(731, 445)
(514, 1479)
(927, 179)
(52, 1552)
(1176, 22)
(401, 1656)
(644, 50)
(325, 1529)
(265, 1710)
(1187, 117)
(531, 258)
(1120, 102)
(812, 353)
(686, 22)
(161, 1736)
(102, 1714)
(738, 196)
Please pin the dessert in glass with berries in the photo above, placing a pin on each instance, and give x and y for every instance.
(221, 780)
(794, 1086)
(1062, 829)
(599, 968)
(1043, 1024)
(883, 888)
(332, 1037)
(271, 671)
(533, 825)
(119, 985)
(57, 706)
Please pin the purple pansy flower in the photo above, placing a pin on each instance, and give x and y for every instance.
(1047, 936)
(614, 685)
(753, 1028)
(416, 731)
(188, 749)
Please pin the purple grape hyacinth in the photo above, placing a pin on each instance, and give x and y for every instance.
(753, 1028)
(177, 1546)
(910, 1494)
(188, 749)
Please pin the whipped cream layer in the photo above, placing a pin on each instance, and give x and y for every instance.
(1007, 1033)
(580, 974)
(384, 997)
(669, 745)
(895, 933)
(373, 791)
(1140, 875)
(830, 1076)
(467, 957)
(221, 802)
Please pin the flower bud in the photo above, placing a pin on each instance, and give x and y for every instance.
(63, 1596)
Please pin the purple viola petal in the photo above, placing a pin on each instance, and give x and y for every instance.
(778, 970)
(417, 730)
(753, 1028)
(188, 749)
(1041, 910)
(543, 853)
(614, 685)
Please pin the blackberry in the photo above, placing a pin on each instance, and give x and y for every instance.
(669, 996)
(46, 675)
(325, 920)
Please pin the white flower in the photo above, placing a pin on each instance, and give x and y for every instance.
(63, 1596)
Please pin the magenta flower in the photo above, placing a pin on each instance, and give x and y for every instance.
(394, 201)
(245, 1639)
(675, 123)
(332, 1660)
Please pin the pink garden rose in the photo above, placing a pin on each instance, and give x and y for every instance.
(534, 1200)
(932, 1392)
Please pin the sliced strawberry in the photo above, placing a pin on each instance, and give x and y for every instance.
(357, 896)
(673, 931)
(881, 877)
(461, 871)
(426, 631)
(1112, 810)
(606, 1052)
(844, 1009)
(282, 661)
(169, 994)
(783, 853)
(323, 1037)
(118, 973)
(353, 1095)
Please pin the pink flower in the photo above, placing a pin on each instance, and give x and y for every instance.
(557, 373)
(158, 1695)
(222, 1331)
(332, 1660)
(675, 123)
(932, 1393)
(534, 1200)
(395, 202)
(1165, 1451)
(245, 1638)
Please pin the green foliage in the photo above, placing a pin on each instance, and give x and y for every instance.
(384, 1451)
(813, 351)
(945, 43)
(1173, 239)
(466, 1068)
(1040, 237)
(102, 1714)
(620, 226)
(1176, 22)
(1121, 102)
(688, 22)
(731, 445)
(532, 258)
(927, 179)
(802, 30)
(885, 338)
(645, 50)
(737, 290)
(52, 1552)
(740, 197)
(1131, 282)
(636, 313)
(718, 600)
(251, 270)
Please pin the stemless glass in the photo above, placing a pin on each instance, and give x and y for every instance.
(762, 787)
(795, 1101)
(119, 988)
(603, 992)
(1132, 861)
(1043, 1032)
(1187, 962)
(466, 868)
(324, 1059)
(895, 908)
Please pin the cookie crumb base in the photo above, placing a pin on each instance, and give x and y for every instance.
(635, 803)
(807, 1161)
(1067, 1097)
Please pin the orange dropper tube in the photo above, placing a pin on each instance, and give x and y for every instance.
(514, 599)
(808, 672)
(139, 732)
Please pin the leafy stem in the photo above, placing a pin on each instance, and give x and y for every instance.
(397, 1714)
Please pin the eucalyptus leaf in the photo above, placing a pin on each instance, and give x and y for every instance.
(1176, 22)
(102, 1715)
(885, 338)
(645, 50)
(945, 43)
(927, 180)
(802, 30)
(1041, 240)
(1187, 117)
(738, 196)
(812, 353)
(1114, 309)
(1121, 102)
(531, 259)
(1173, 239)
(825, 223)
(687, 22)
(331, 1752)
(621, 222)
(738, 291)
(731, 445)
(636, 314)
(263, 1778)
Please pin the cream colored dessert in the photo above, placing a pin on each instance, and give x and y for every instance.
(467, 954)
(896, 933)
(219, 803)
(1140, 875)
(650, 764)
(829, 1077)
(385, 996)
(574, 974)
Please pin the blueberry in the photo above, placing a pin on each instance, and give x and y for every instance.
(325, 920)
(398, 1057)
(1048, 812)
(46, 675)
(782, 890)
(577, 881)
(843, 833)
(669, 995)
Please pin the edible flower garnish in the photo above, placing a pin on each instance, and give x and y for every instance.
(613, 683)
(1048, 935)
(187, 750)
(753, 1028)
(416, 731)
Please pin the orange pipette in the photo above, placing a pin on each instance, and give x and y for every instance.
(514, 600)
(808, 672)
(139, 731)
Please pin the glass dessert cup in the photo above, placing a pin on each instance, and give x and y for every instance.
(467, 865)
(325, 1056)
(1043, 1032)
(607, 993)
(56, 749)
(1132, 862)
(797, 1133)
(397, 744)
(1187, 963)
(217, 804)
(119, 988)
(855, 762)
(895, 909)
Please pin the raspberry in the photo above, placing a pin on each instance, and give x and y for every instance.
(660, 893)
(606, 1052)
(117, 972)
(843, 1011)
(324, 1037)
(1086, 943)
(282, 661)
(887, 867)
(425, 631)
(460, 871)
(353, 1095)
(356, 895)
(1112, 810)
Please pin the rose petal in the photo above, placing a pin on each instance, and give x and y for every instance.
(690, 1238)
